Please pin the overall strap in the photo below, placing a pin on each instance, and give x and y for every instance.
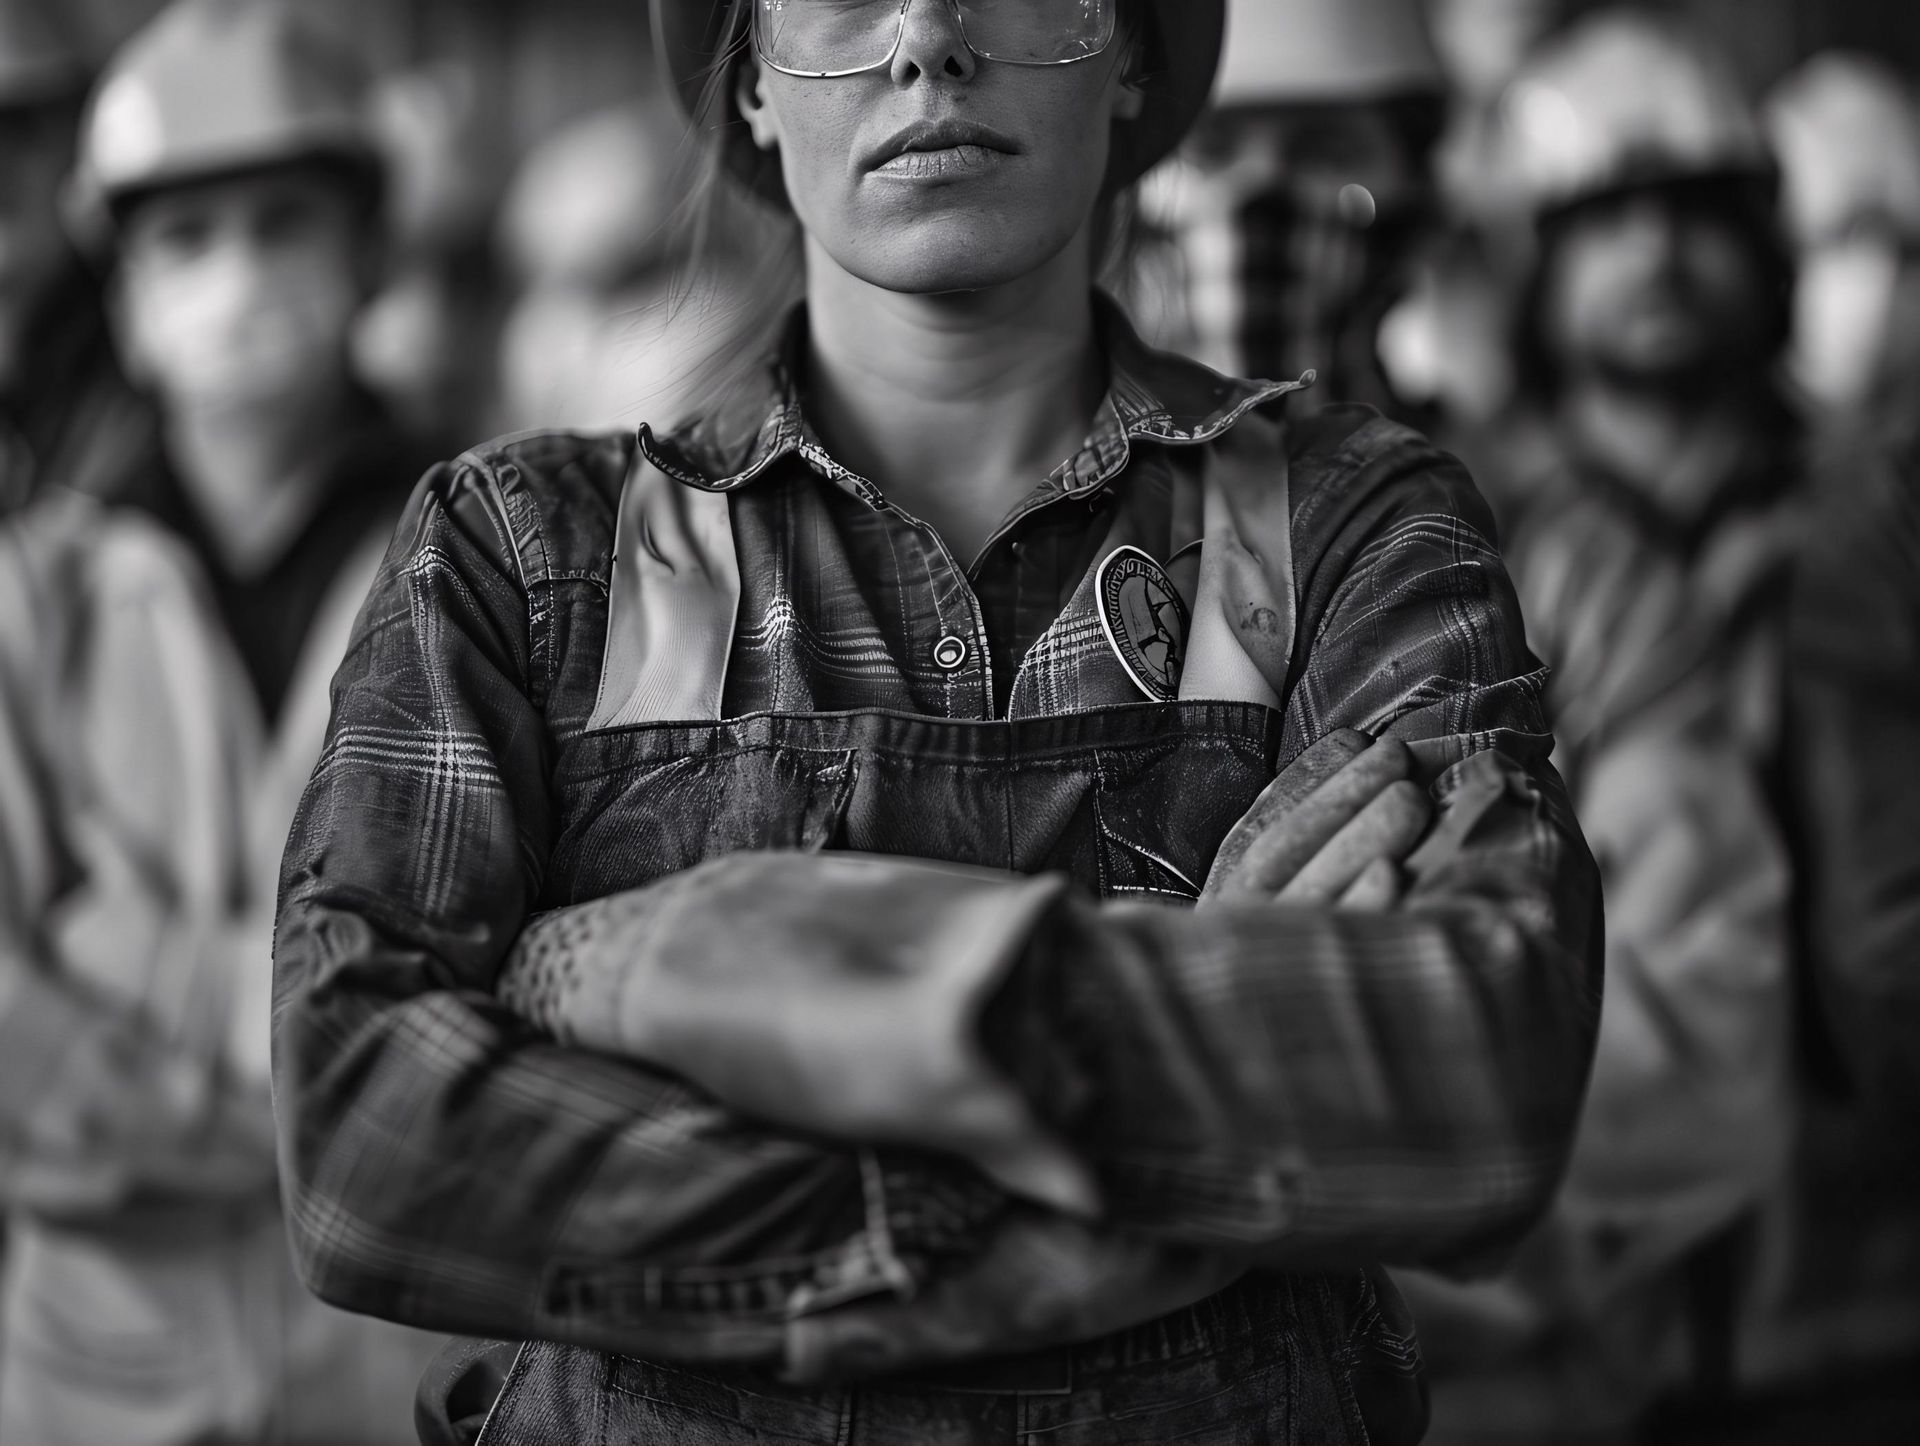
(1244, 615)
(675, 595)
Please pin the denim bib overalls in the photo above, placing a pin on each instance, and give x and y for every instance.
(1129, 797)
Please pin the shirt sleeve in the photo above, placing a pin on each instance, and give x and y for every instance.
(1317, 1087)
(445, 1163)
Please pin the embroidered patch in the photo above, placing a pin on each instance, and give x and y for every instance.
(1145, 621)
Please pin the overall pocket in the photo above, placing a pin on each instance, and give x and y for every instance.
(1163, 812)
(641, 804)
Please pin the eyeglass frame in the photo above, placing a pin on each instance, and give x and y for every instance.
(900, 34)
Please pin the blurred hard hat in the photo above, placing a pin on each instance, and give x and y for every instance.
(693, 37)
(590, 204)
(1623, 100)
(40, 59)
(1847, 132)
(214, 87)
(1295, 51)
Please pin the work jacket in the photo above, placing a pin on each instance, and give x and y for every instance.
(146, 789)
(600, 663)
(1666, 634)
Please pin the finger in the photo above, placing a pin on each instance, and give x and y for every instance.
(1295, 785)
(1376, 890)
(1387, 828)
(1280, 853)
(997, 1131)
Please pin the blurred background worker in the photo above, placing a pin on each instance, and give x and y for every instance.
(1663, 493)
(1303, 198)
(65, 414)
(163, 679)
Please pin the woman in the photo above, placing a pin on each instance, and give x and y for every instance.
(736, 947)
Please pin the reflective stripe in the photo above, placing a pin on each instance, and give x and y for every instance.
(1244, 612)
(675, 593)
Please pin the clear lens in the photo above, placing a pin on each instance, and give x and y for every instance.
(1037, 32)
(842, 37)
(826, 37)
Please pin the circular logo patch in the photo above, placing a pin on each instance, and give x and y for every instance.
(1145, 621)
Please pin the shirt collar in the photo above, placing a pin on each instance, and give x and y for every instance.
(1151, 396)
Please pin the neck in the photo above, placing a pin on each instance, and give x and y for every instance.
(255, 478)
(959, 404)
(1675, 446)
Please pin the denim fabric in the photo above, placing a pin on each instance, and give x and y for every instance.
(1131, 801)
(1269, 1362)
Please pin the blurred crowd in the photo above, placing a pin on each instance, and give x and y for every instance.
(254, 281)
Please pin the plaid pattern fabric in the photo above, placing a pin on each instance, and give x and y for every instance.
(1409, 1082)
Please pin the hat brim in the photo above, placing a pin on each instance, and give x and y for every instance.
(694, 40)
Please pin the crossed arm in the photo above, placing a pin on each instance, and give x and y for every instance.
(1290, 1083)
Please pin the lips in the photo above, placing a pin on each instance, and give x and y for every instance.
(929, 150)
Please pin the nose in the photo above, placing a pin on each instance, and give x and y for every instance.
(242, 259)
(931, 43)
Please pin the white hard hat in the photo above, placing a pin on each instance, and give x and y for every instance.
(1624, 99)
(212, 87)
(1847, 131)
(1310, 51)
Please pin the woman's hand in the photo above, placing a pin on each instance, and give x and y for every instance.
(839, 995)
(1335, 828)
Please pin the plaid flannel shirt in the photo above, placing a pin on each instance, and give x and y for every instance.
(1403, 1087)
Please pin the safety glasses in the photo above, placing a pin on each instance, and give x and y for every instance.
(822, 39)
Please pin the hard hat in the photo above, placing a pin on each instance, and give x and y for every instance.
(1315, 51)
(590, 204)
(213, 87)
(693, 37)
(40, 60)
(1623, 100)
(1847, 132)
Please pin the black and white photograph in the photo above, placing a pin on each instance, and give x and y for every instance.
(959, 722)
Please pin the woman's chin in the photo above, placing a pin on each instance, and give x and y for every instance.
(937, 261)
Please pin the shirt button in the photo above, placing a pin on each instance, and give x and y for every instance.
(950, 654)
